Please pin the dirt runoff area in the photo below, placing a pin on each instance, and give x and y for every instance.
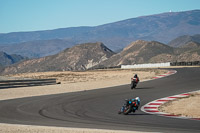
(187, 106)
(70, 82)
(77, 81)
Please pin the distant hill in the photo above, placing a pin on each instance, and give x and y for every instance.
(182, 40)
(79, 57)
(191, 51)
(191, 45)
(6, 59)
(39, 48)
(140, 52)
(160, 27)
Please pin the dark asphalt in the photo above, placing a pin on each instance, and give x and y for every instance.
(98, 108)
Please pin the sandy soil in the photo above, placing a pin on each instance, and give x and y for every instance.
(70, 82)
(8, 128)
(188, 106)
(95, 75)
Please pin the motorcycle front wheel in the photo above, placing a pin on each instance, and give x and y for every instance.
(127, 110)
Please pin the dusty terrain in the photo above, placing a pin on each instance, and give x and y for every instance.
(77, 81)
(9, 128)
(188, 106)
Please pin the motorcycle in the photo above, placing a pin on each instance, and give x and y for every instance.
(134, 82)
(131, 105)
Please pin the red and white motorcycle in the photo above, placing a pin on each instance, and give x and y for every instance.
(134, 82)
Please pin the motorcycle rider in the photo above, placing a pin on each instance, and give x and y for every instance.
(128, 101)
(137, 78)
(134, 81)
(137, 101)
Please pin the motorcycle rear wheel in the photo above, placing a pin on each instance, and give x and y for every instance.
(133, 85)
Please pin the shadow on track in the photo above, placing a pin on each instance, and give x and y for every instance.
(143, 88)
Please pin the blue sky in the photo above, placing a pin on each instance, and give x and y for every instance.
(33, 15)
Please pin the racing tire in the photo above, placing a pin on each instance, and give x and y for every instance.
(133, 85)
(127, 110)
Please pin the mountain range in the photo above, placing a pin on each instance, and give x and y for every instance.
(159, 27)
(79, 57)
(140, 52)
(38, 48)
(97, 55)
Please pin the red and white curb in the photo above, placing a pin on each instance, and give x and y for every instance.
(152, 107)
(170, 72)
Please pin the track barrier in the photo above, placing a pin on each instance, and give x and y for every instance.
(25, 83)
(156, 65)
(150, 65)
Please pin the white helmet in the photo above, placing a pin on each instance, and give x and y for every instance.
(137, 98)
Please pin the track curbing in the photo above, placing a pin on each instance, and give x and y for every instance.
(170, 72)
(152, 107)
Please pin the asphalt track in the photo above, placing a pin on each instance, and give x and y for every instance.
(98, 108)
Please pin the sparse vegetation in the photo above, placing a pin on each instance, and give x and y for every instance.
(89, 76)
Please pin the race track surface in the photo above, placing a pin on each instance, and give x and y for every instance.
(98, 108)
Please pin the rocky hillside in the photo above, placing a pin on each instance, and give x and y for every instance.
(138, 52)
(97, 55)
(6, 59)
(80, 57)
(189, 52)
(183, 40)
(159, 27)
(141, 51)
(191, 45)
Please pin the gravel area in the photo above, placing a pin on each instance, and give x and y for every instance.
(8, 128)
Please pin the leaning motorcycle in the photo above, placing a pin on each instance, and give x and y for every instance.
(131, 105)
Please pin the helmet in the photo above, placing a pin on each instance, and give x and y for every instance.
(138, 99)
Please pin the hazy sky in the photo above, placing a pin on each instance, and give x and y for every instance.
(32, 15)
